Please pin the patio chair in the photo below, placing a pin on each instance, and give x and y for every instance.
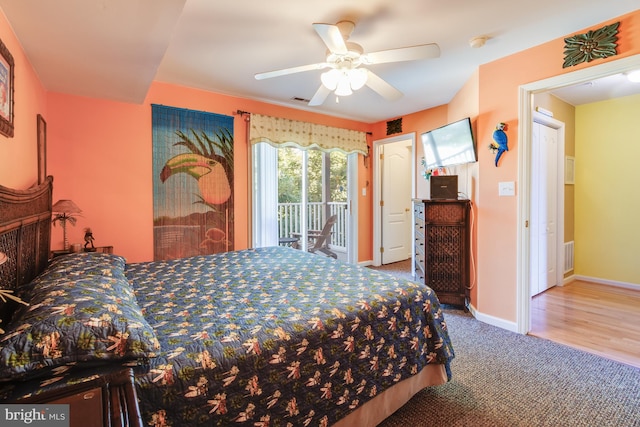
(319, 240)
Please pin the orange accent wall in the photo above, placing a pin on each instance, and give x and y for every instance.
(497, 216)
(18, 155)
(99, 152)
(464, 104)
(102, 160)
(490, 97)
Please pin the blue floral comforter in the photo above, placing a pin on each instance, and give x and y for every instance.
(277, 337)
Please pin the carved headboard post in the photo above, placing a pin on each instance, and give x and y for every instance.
(25, 233)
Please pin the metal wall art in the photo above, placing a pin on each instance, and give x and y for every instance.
(394, 126)
(595, 44)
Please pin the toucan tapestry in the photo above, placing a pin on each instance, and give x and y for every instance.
(192, 182)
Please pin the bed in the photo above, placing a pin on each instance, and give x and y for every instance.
(261, 337)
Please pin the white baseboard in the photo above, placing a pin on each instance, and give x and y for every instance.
(626, 285)
(493, 321)
(512, 326)
(568, 280)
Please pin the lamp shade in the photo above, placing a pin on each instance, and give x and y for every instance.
(66, 206)
(3, 258)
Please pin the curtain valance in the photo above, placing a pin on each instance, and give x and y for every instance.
(278, 131)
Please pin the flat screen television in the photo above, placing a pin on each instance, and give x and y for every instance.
(449, 145)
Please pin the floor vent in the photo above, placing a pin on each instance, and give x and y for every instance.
(568, 256)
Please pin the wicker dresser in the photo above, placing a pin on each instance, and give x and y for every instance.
(442, 248)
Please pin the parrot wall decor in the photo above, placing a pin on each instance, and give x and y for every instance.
(500, 141)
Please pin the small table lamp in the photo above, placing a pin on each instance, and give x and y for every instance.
(65, 211)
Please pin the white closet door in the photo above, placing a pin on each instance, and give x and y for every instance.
(544, 208)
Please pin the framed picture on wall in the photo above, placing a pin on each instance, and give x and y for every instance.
(6, 91)
(42, 149)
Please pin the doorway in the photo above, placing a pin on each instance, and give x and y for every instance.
(525, 168)
(394, 177)
(296, 191)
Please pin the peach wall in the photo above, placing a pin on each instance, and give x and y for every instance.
(497, 216)
(415, 123)
(100, 154)
(464, 104)
(102, 161)
(491, 97)
(18, 155)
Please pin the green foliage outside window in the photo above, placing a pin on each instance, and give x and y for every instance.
(290, 175)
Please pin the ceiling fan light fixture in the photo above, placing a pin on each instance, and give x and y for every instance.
(358, 78)
(344, 86)
(330, 79)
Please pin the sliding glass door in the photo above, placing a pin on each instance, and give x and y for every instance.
(295, 192)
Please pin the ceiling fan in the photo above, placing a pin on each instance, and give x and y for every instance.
(347, 62)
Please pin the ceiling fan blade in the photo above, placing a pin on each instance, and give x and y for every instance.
(285, 71)
(331, 36)
(320, 96)
(413, 53)
(383, 88)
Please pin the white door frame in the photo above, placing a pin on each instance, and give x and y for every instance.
(525, 114)
(377, 188)
(352, 197)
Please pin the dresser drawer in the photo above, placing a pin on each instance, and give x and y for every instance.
(418, 210)
(444, 213)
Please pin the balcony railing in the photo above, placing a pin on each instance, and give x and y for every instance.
(289, 220)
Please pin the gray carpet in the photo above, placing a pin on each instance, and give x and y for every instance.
(501, 378)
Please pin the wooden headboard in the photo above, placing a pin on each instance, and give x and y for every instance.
(25, 234)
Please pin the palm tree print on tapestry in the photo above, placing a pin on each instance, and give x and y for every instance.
(192, 182)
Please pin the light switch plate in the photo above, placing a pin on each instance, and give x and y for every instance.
(507, 188)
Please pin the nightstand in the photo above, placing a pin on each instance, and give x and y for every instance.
(59, 253)
(104, 398)
(104, 249)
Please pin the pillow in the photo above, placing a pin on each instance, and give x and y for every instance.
(93, 263)
(75, 319)
(76, 265)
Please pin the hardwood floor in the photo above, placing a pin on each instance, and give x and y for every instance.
(597, 318)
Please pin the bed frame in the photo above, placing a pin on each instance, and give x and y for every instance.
(25, 236)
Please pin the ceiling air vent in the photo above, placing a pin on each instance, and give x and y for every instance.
(298, 99)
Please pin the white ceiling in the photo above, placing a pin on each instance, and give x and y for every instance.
(114, 49)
